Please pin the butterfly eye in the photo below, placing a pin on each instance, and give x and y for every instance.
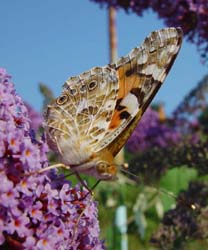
(62, 99)
(102, 167)
(92, 85)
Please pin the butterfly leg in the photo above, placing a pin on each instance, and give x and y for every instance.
(58, 165)
(90, 190)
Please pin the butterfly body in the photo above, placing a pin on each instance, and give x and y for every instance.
(97, 111)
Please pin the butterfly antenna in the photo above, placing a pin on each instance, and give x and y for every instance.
(185, 203)
(128, 172)
(192, 206)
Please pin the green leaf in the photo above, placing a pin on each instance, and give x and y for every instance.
(174, 181)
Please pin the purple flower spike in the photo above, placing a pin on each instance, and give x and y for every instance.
(36, 213)
(35, 117)
(152, 132)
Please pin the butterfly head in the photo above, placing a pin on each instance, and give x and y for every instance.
(101, 170)
(106, 170)
(109, 171)
(99, 165)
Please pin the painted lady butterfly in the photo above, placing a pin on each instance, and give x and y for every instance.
(97, 111)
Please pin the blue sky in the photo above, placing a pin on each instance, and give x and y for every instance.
(48, 41)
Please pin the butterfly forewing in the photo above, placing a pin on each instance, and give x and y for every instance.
(140, 74)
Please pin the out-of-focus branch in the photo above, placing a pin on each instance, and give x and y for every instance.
(113, 57)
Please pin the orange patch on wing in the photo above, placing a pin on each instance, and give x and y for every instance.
(115, 120)
(126, 83)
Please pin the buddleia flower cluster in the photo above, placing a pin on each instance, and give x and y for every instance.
(190, 116)
(187, 221)
(190, 15)
(148, 133)
(37, 211)
(151, 164)
(35, 117)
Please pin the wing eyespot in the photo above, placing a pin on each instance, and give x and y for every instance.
(83, 88)
(62, 99)
(92, 85)
(72, 91)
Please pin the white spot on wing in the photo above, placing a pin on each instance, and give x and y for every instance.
(83, 104)
(130, 101)
(142, 58)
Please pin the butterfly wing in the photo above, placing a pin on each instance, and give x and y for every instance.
(79, 118)
(140, 74)
(99, 109)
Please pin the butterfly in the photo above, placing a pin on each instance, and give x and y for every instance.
(98, 110)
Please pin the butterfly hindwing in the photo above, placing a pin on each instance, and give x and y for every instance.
(79, 118)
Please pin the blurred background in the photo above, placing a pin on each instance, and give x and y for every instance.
(45, 42)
